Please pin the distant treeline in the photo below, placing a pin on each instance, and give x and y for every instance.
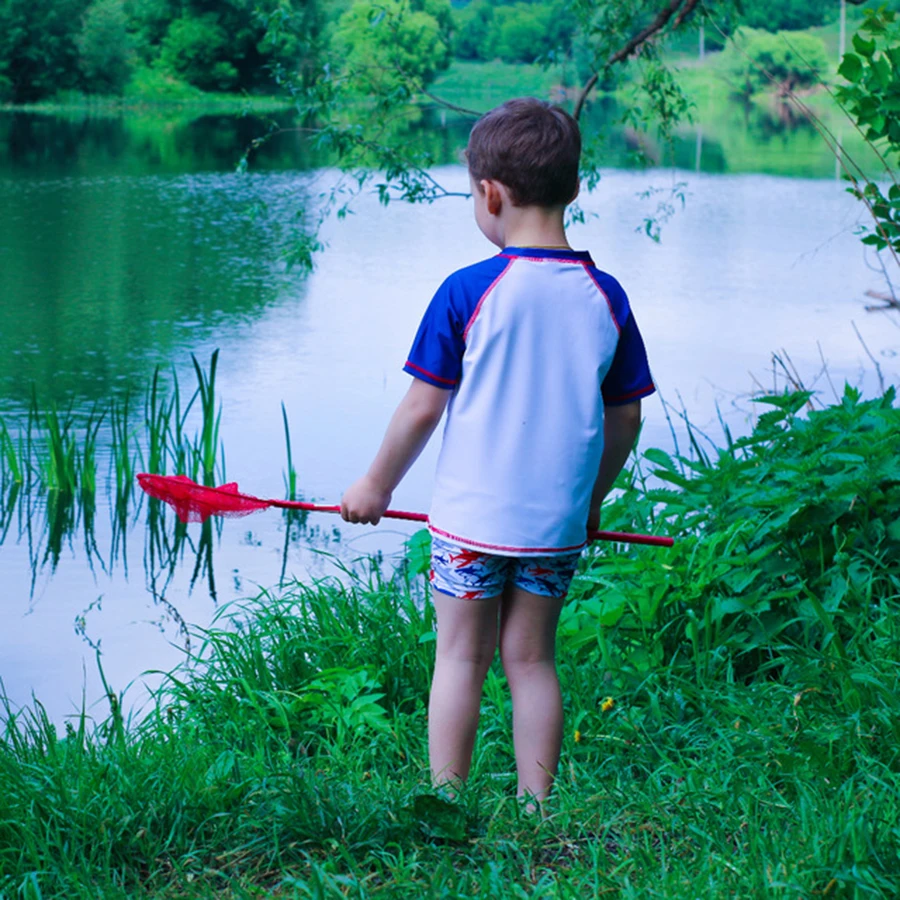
(100, 46)
(175, 47)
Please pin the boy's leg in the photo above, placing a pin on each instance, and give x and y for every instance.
(528, 653)
(466, 642)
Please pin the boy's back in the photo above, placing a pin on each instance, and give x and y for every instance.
(535, 342)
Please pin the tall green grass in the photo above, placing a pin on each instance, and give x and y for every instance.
(732, 723)
(56, 451)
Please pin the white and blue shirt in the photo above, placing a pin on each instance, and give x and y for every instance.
(533, 343)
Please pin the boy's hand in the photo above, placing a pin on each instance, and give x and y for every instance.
(364, 502)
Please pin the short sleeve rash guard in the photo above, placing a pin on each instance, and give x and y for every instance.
(533, 344)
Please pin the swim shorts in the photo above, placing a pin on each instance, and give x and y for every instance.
(473, 575)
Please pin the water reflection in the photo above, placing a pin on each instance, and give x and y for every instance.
(48, 524)
(101, 277)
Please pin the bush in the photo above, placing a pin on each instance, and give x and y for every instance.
(788, 542)
(104, 48)
(778, 15)
(383, 43)
(784, 62)
(196, 49)
(154, 84)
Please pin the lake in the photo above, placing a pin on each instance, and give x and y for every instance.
(129, 245)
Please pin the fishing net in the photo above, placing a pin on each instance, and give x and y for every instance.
(194, 502)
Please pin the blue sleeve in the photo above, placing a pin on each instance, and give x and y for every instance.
(629, 376)
(437, 351)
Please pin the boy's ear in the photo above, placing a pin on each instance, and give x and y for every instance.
(493, 197)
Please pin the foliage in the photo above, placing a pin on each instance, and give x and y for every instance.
(779, 15)
(759, 61)
(104, 47)
(790, 546)
(513, 32)
(227, 46)
(38, 51)
(389, 45)
(194, 49)
(871, 96)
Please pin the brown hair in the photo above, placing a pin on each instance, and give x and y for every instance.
(530, 146)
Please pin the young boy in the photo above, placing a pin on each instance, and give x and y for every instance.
(538, 361)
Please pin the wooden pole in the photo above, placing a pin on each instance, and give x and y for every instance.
(842, 40)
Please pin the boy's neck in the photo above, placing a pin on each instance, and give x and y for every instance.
(534, 226)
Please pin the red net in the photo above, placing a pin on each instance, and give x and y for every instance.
(194, 502)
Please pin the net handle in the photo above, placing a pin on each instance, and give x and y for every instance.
(623, 537)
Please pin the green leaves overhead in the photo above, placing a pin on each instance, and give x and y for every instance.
(871, 97)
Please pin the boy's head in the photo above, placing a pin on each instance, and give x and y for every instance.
(531, 147)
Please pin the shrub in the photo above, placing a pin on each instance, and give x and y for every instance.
(104, 48)
(788, 541)
(196, 49)
(784, 62)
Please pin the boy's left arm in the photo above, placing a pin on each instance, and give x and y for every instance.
(412, 424)
(621, 425)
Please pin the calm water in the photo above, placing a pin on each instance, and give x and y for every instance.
(118, 253)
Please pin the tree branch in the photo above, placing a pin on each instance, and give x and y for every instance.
(460, 109)
(686, 8)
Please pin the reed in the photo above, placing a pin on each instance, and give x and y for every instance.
(11, 468)
(59, 465)
(290, 476)
(123, 453)
(54, 451)
(206, 446)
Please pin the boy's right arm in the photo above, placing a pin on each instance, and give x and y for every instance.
(412, 424)
(621, 425)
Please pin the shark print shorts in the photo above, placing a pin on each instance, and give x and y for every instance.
(473, 575)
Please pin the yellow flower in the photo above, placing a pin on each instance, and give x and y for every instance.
(577, 736)
(607, 704)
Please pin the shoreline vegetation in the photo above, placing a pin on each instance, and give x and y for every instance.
(733, 709)
(464, 83)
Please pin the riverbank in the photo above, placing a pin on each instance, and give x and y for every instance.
(733, 715)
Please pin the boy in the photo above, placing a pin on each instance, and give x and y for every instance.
(537, 359)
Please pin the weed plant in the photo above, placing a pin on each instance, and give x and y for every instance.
(55, 451)
(732, 720)
(49, 464)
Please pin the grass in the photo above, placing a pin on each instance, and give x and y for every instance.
(56, 452)
(733, 715)
(288, 760)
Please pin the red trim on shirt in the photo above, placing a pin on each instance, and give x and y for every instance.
(450, 381)
(534, 550)
(554, 259)
(590, 274)
(640, 392)
(493, 284)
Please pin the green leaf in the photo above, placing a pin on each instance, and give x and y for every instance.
(418, 552)
(863, 47)
(660, 458)
(851, 68)
(790, 403)
(439, 817)
(882, 69)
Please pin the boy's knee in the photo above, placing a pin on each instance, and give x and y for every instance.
(522, 661)
(477, 656)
